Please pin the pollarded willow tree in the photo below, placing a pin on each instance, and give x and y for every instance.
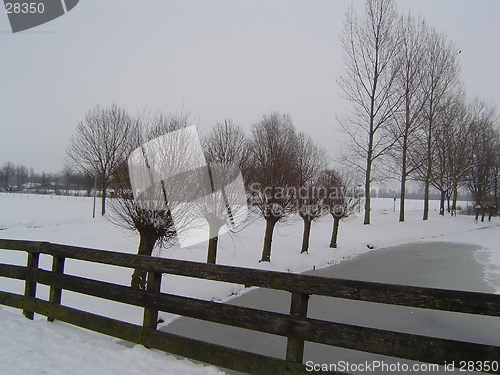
(371, 46)
(340, 198)
(149, 214)
(271, 173)
(311, 160)
(101, 145)
(226, 154)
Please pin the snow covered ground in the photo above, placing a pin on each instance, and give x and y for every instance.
(56, 348)
(68, 220)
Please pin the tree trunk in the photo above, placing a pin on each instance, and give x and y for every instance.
(441, 203)
(212, 243)
(426, 200)
(367, 189)
(146, 246)
(335, 232)
(103, 200)
(307, 233)
(454, 204)
(428, 171)
(212, 250)
(403, 192)
(496, 190)
(404, 155)
(268, 238)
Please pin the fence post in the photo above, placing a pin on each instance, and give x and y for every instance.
(55, 294)
(30, 286)
(295, 347)
(150, 318)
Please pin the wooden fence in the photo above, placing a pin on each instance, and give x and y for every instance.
(296, 327)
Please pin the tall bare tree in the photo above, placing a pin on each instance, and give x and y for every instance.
(481, 174)
(370, 56)
(101, 144)
(407, 124)
(441, 78)
(453, 140)
(271, 172)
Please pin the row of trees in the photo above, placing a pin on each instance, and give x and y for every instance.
(284, 173)
(19, 178)
(14, 176)
(409, 109)
(287, 174)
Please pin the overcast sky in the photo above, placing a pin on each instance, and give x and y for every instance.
(212, 58)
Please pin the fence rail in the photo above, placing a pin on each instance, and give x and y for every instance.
(296, 327)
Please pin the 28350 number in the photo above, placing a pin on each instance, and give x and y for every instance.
(24, 8)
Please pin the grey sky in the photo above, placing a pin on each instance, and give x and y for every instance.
(216, 59)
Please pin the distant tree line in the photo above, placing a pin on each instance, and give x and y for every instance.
(19, 178)
(410, 116)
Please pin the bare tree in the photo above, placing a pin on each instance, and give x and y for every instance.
(311, 160)
(441, 78)
(68, 178)
(407, 124)
(453, 140)
(481, 174)
(226, 153)
(153, 223)
(9, 171)
(271, 173)
(340, 198)
(101, 144)
(226, 144)
(149, 213)
(370, 47)
(21, 176)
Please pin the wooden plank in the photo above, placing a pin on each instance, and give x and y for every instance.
(21, 245)
(13, 271)
(12, 300)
